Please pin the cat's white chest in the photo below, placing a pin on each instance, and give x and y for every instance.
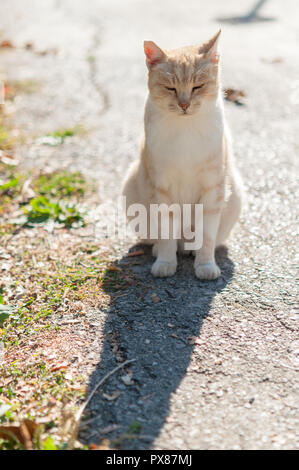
(179, 148)
(185, 140)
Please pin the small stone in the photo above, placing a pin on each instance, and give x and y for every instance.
(126, 379)
(155, 298)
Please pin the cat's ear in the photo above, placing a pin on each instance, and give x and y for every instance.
(210, 48)
(154, 55)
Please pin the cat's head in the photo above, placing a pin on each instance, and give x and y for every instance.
(181, 80)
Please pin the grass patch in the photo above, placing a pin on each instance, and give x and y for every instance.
(69, 132)
(61, 184)
(59, 136)
(10, 186)
(57, 197)
(41, 209)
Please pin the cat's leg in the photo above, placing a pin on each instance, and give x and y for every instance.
(166, 262)
(165, 249)
(204, 263)
(165, 223)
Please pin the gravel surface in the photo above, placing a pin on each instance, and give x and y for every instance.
(216, 363)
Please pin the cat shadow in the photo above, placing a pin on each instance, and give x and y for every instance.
(154, 322)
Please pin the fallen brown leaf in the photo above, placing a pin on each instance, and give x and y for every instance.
(103, 445)
(234, 95)
(274, 60)
(8, 160)
(63, 365)
(29, 46)
(6, 44)
(136, 253)
(112, 396)
(113, 268)
(52, 51)
(22, 432)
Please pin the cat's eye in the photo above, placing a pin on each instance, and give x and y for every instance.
(197, 87)
(170, 89)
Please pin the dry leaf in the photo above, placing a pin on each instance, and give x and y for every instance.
(234, 95)
(113, 395)
(8, 160)
(104, 445)
(113, 268)
(52, 51)
(7, 44)
(27, 192)
(274, 60)
(29, 46)
(93, 447)
(136, 253)
(63, 365)
(23, 432)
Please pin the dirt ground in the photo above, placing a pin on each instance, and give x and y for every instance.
(215, 363)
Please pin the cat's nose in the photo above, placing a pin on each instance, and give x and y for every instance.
(184, 106)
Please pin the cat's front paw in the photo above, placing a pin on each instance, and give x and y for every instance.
(163, 268)
(208, 271)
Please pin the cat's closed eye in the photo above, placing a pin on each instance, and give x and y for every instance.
(197, 87)
(193, 89)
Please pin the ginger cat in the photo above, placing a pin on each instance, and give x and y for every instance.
(186, 155)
